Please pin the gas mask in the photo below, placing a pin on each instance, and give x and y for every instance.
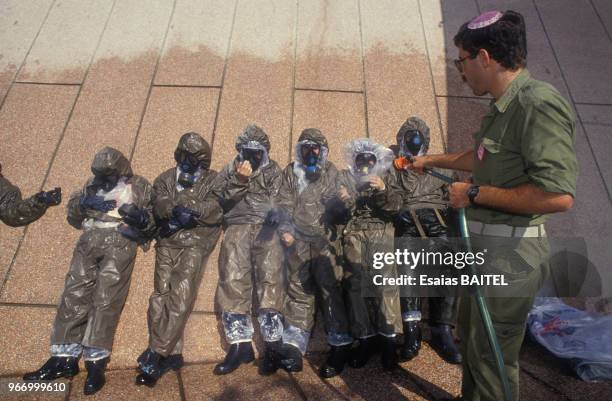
(105, 182)
(189, 166)
(310, 159)
(253, 156)
(413, 143)
(364, 163)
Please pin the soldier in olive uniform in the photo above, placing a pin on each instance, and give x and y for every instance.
(425, 214)
(251, 257)
(17, 212)
(113, 210)
(189, 224)
(373, 198)
(524, 168)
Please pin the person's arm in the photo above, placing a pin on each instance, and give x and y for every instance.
(463, 161)
(522, 199)
(15, 211)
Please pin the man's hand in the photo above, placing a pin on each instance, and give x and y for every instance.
(244, 171)
(343, 194)
(98, 203)
(458, 195)
(376, 182)
(287, 239)
(416, 163)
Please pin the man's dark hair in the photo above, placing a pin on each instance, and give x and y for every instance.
(504, 40)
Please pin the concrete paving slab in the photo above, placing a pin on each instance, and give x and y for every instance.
(541, 59)
(20, 21)
(461, 118)
(339, 116)
(9, 386)
(329, 45)
(243, 384)
(585, 61)
(120, 386)
(558, 375)
(398, 79)
(31, 124)
(66, 43)
(604, 9)
(25, 338)
(266, 56)
(197, 41)
(204, 339)
(441, 21)
(597, 122)
(170, 113)
(107, 112)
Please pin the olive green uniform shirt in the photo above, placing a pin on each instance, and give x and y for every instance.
(527, 137)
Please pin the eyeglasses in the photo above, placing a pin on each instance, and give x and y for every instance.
(459, 61)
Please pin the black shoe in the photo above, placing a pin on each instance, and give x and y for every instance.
(54, 368)
(237, 354)
(338, 357)
(291, 358)
(365, 350)
(443, 343)
(412, 340)
(271, 358)
(171, 362)
(389, 353)
(95, 375)
(149, 368)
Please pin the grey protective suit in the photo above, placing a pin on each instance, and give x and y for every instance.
(98, 279)
(251, 255)
(17, 212)
(181, 254)
(308, 206)
(426, 198)
(372, 309)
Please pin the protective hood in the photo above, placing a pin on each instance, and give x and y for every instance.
(384, 155)
(110, 161)
(254, 138)
(311, 136)
(412, 124)
(194, 144)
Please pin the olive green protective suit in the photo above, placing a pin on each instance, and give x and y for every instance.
(308, 205)
(17, 212)
(180, 257)
(98, 279)
(425, 197)
(251, 255)
(372, 309)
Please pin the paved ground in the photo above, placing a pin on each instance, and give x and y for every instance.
(79, 74)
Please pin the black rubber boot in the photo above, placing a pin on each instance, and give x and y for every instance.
(338, 357)
(149, 368)
(389, 357)
(443, 343)
(412, 340)
(365, 350)
(271, 358)
(95, 375)
(291, 358)
(237, 354)
(54, 368)
(171, 362)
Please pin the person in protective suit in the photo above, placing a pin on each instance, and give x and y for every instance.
(17, 212)
(371, 195)
(308, 198)
(251, 257)
(425, 214)
(188, 217)
(113, 210)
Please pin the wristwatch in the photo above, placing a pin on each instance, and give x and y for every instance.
(472, 193)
